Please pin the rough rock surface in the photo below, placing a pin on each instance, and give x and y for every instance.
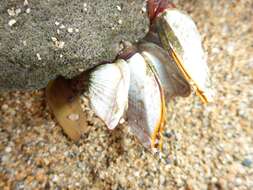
(42, 39)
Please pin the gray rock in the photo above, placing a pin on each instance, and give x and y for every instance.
(40, 40)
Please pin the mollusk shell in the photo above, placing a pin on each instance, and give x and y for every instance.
(179, 35)
(108, 91)
(146, 111)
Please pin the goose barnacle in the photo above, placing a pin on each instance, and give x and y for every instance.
(168, 62)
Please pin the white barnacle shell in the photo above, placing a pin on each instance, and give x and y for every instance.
(146, 111)
(172, 80)
(179, 34)
(108, 91)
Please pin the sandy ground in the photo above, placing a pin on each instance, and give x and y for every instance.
(210, 147)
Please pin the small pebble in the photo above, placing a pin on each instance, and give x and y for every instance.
(38, 56)
(12, 22)
(119, 8)
(18, 11)
(28, 10)
(60, 44)
(70, 30)
(55, 178)
(54, 39)
(57, 43)
(144, 9)
(4, 107)
(120, 21)
(122, 120)
(5, 158)
(53, 149)
(81, 70)
(247, 162)
(85, 7)
(8, 149)
(11, 12)
(62, 26)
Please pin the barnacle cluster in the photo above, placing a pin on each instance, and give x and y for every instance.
(168, 62)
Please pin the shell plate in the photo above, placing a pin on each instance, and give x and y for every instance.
(170, 76)
(179, 36)
(146, 112)
(108, 91)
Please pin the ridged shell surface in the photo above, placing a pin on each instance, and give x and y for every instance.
(108, 91)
